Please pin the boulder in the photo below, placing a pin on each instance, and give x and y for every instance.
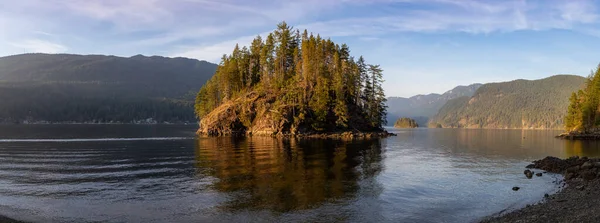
(538, 174)
(573, 169)
(587, 165)
(588, 175)
(528, 173)
(516, 188)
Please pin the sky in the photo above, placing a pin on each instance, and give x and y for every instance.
(424, 46)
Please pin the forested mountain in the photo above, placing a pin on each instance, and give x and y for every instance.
(99, 89)
(520, 104)
(292, 83)
(583, 113)
(422, 107)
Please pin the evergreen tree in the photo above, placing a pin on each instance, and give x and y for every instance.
(584, 106)
(315, 82)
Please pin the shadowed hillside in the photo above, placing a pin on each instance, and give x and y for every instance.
(96, 88)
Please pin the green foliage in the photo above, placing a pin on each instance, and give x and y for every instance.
(406, 123)
(100, 89)
(583, 112)
(316, 83)
(515, 104)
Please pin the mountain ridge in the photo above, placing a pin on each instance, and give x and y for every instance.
(517, 104)
(422, 106)
(60, 88)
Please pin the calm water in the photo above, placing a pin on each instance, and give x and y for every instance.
(120, 173)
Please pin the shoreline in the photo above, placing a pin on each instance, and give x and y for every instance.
(576, 202)
(579, 136)
(325, 135)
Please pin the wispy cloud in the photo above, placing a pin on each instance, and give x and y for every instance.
(39, 46)
(212, 52)
(207, 29)
(467, 16)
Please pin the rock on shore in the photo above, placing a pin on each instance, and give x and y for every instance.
(577, 202)
(575, 135)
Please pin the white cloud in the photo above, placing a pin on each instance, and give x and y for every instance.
(132, 12)
(578, 11)
(214, 52)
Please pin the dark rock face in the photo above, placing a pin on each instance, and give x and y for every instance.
(588, 175)
(528, 174)
(572, 168)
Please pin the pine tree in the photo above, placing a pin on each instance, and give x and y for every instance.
(315, 83)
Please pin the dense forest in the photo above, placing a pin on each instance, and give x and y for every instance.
(583, 113)
(292, 82)
(406, 123)
(519, 104)
(64, 88)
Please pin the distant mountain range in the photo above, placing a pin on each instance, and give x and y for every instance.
(520, 104)
(422, 107)
(96, 88)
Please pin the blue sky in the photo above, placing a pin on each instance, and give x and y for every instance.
(424, 46)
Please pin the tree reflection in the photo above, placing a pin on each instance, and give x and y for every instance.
(589, 148)
(287, 174)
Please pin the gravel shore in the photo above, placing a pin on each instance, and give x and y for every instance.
(577, 202)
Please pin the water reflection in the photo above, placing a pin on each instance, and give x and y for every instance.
(582, 148)
(514, 144)
(282, 175)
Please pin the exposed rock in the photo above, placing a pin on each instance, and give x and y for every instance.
(577, 135)
(260, 114)
(588, 175)
(575, 202)
(587, 165)
(528, 173)
(573, 169)
(516, 188)
(538, 174)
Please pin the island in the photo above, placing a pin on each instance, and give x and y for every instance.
(293, 83)
(404, 123)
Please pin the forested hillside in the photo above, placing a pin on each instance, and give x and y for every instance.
(583, 113)
(537, 104)
(61, 88)
(292, 82)
(422, 107)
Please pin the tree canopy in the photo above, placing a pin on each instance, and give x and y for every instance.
(518, 104)
(406, 123)
(583, 113)
(316, 83)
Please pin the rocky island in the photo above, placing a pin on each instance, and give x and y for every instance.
(293, 83)
(403, 123)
